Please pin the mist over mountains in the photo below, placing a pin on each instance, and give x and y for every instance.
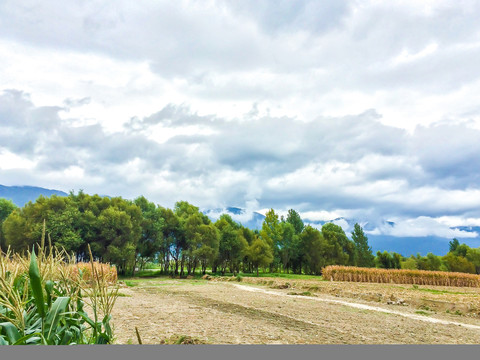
(405, 245)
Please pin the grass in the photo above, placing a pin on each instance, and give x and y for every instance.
(305, 293)
(435, 291)
(421, 312)
(283, 276)
(161, 281)
(155, 273)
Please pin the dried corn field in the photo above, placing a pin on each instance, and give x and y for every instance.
(400, 276)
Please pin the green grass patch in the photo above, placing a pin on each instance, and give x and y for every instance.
(123, 295)
(421, 312)
(163, 281)
(435, 291)
(275, 275)
(305, 293)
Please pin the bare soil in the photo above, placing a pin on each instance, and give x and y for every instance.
(282, 311)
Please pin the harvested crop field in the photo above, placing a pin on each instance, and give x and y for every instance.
(280, 311)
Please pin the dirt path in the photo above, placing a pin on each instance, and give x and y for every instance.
(230, 313)
(361, 306)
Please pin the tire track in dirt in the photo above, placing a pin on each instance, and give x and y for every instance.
(360, 306)
(250, 312)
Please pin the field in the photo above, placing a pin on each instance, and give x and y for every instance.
(294, 311)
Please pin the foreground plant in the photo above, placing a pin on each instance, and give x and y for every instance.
(43, 299)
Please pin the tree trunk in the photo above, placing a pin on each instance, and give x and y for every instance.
(134, 266)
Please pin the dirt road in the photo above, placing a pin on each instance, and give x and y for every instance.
(232, 313)
(363, 307)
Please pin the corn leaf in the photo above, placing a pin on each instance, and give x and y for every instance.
(10, 331)
(34, 338)
(3, 341)
(49, 289)
(36, 284)
(54, 315)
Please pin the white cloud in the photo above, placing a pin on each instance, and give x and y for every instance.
(9, 160)
(422, 226)
(355, 109)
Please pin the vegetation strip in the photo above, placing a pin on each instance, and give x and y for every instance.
(400, 276)
(361, 306)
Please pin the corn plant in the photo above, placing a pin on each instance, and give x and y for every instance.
(43, 300)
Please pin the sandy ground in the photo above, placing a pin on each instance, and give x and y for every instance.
(220, 312)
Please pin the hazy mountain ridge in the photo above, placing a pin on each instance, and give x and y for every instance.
(20, 195)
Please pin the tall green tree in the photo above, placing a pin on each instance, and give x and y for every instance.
(363, 252)
(315, 249)
(150, 242)
(232, 244)
(272, 233)
(342, 250)
(174, 240)
(119, 236)
(287, 245)
(295, 220)
(453, 245)
(208, 249)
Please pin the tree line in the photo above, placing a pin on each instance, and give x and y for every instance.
(182, 240)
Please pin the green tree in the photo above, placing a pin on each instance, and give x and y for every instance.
(6, 208)
(259, 253)
(473, 255)
(409, 263)
(461, 250)
(458, 264)
(119, 237)
(151, 239)
(207, 252)
(296, 221)
(174, 240)
(232, 244)
(388, 260)
(363, 253)
(16, 230)
(315, 250)
(287, 245)
(453, 245)
(341, 249)
(272, 233)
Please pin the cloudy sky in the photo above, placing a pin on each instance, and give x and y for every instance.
(361, 109)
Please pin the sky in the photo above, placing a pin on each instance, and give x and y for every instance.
(357, 109)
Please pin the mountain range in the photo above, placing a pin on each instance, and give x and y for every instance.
(20, 195)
